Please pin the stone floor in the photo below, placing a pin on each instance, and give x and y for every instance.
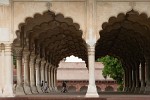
(81, 96)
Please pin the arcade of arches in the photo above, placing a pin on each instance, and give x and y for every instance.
(44, 39)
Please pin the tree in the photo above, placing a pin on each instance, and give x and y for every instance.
(112, 68)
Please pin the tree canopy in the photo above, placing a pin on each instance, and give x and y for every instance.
(112, 68)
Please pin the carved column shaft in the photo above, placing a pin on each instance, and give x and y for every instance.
(92, 91)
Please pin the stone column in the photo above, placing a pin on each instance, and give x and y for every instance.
(19, 87)
(38, 82)
(55, 79)
(43, 62)
(52, 78)
(130, 80)
(45, 70)
(1, 69)
(147, 89)
(92, 91)
(49, 78)
(8, 76)
(126, 80)
(27, 88)
(48, 72)
(133, 80)
(32, 73)
(137, 88)
(142, 89)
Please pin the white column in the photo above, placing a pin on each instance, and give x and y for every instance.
(19, 87)
(142, 89)
(55, 79)
(1, 70)
(147, 89)
(27, 88)
(49, 78)
(92, 91)
(32, 73)
(8, 76)
(45, 69)
(52, 77)
(42, 70)
(47, 75)
(38, 82)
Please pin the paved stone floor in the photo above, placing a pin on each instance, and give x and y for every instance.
(81, 96)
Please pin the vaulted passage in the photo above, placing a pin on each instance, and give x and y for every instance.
(41, 43)
(127, 37)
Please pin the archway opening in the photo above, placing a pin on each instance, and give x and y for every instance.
(42, 42)
(127, 38)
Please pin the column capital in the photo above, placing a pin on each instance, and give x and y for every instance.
(32, 56)
(18, 52)
(91, 50)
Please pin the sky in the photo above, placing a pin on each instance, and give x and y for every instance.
(73, 59)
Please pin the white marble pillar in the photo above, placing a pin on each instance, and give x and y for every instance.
(19, 87)
(92, 91)
(130, 79)
(1, 71)
(47, 75)
(43, 62)
(52, 78)
(45, 71)
(32, 73)
(49, 78)
(147, 89)
(142, 89)
(55, 79)
(137, 88)
(37, 67)
(133, 80)
(8, 76)
(27, 88)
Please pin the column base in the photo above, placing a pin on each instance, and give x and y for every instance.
(8, 92)
(147, 90)
(27, 89)
(137, 90)
(50, 89)
(142, 89)
(132, 89)
(20, 90)
(92, 91)
(39, 89)
(125, 89)
(34, 90)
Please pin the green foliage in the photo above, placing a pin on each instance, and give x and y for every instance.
(112, 68)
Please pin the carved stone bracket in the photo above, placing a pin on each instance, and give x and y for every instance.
(18, 52)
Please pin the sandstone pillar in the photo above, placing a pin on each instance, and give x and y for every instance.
(38, 82)
(142, 89)
(147, 89)
(32, 73)
(27, 88)
(92, 91)
(8, 83)
(19, 87)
